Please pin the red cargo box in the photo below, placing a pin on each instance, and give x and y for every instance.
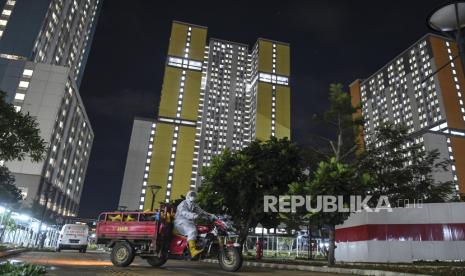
(127, 225)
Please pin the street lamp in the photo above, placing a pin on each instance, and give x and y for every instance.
(449, 20)
(153, 189)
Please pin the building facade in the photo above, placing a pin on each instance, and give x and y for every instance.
(55, 32)
(216, 95)
(137, 158)
(43, 51)
(422, 88)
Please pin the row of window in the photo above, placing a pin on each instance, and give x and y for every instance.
(5, 15)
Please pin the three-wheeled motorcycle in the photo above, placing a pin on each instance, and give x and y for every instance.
(151, 236)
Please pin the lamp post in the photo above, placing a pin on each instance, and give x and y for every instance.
(449, 20)
(153, 189)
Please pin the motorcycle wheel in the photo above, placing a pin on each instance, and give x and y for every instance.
(230, 259)
(122, 254)
(156, 261)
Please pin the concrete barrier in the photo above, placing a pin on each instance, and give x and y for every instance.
(434, 231)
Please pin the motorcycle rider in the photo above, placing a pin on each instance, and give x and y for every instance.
(186, 212)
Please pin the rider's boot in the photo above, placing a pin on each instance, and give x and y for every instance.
(193, 249)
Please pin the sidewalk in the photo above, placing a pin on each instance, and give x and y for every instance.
(10, 252)
(341, 270)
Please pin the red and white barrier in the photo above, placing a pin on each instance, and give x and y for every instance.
(434, 231)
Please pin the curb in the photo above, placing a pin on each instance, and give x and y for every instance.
(323, 269)
(11, 252)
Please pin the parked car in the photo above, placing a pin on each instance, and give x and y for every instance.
(73, 236)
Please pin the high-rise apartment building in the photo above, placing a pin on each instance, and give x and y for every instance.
(48, 31)
(215, 95)
(43, 51)
(422, 88)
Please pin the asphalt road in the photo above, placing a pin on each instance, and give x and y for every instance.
(72, 263)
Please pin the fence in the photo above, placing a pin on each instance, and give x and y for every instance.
(22, 230)
(280, 246)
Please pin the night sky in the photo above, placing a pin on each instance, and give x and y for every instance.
(331, 41)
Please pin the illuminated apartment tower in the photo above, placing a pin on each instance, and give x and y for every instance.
(423, 88)
(43, 50)
(214, 97)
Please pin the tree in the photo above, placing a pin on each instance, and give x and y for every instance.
(296, 220)
(10, 195)
(335, 175)
(339, 120)
(19, 134)
(402, 169)
(331, 178)
(236, 182)
(19, 137)
(338, 179)
(8, 224)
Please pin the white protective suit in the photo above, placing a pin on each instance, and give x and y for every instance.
(186, 212)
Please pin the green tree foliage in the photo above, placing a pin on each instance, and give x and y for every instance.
(402, 169)
(19, 134)
(236, 182)
(336, 175)
(396, 168)
(332, 178)
(19, 138)
(338, 119)
(10, 195)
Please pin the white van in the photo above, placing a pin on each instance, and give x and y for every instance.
(73, 236)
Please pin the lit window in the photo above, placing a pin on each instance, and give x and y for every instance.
(23, 84)
(19, 96)
(6, 12)
(3, 22)
(27, 72)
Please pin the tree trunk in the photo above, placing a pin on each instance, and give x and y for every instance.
(309, 234)
(242, 235)
(244, 231)
(332, 245)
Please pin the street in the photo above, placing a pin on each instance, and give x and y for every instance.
(98, 263)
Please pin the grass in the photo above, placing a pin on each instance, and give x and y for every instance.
(23, 269)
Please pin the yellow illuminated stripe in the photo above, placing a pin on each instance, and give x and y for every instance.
(265, 56)
(190, 104)
(177, 40)
(197, 45)
(263, 125)
(183, 162)
(159, 164)
(170, 90)
(283, 108)
(282, 60)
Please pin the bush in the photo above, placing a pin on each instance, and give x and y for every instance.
(22, 269)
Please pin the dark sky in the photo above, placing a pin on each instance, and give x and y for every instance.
(331, 41)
